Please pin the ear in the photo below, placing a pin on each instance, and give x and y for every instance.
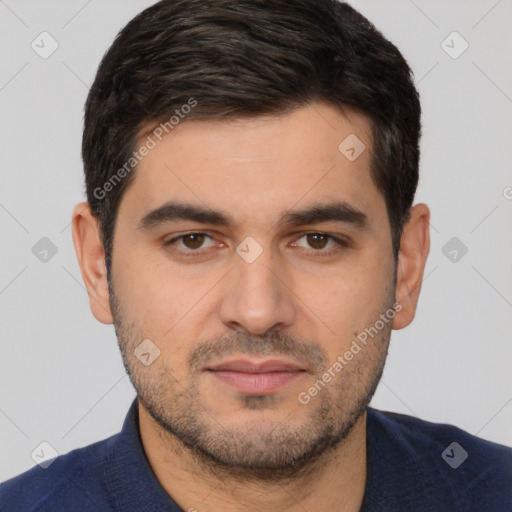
(91, 258)
(414, 249)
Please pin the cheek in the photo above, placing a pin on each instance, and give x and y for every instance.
(148, 298)
(350, 300)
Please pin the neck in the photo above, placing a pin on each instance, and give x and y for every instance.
(335, 481)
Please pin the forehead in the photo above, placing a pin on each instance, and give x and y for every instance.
(256, 168)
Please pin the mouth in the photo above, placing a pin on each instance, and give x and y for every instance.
(253, 377)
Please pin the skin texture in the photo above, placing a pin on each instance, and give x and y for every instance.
(303, 300)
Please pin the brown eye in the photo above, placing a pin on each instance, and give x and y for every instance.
(191, 244)
(317, 240)
(320, 243)
(193, 240)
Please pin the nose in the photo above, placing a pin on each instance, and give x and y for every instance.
(257, 297)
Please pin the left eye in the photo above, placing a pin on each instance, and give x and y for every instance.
(319, 241)
(191, 241)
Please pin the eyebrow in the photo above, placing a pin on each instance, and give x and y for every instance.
(173, 211)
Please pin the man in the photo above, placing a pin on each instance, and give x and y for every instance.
(249, 231)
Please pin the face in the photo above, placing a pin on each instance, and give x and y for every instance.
(251, 255)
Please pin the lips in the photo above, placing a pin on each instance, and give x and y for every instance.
(249, 366)
(256, 377)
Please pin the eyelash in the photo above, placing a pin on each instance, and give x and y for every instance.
(194, 253)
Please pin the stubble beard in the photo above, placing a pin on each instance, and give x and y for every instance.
(258, 452)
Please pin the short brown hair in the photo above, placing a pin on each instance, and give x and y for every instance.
(245, 58)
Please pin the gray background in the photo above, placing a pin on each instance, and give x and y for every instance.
(61, 376)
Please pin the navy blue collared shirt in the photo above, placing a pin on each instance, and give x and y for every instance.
(413, 466)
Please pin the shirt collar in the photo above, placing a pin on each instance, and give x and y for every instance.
(132, 484)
